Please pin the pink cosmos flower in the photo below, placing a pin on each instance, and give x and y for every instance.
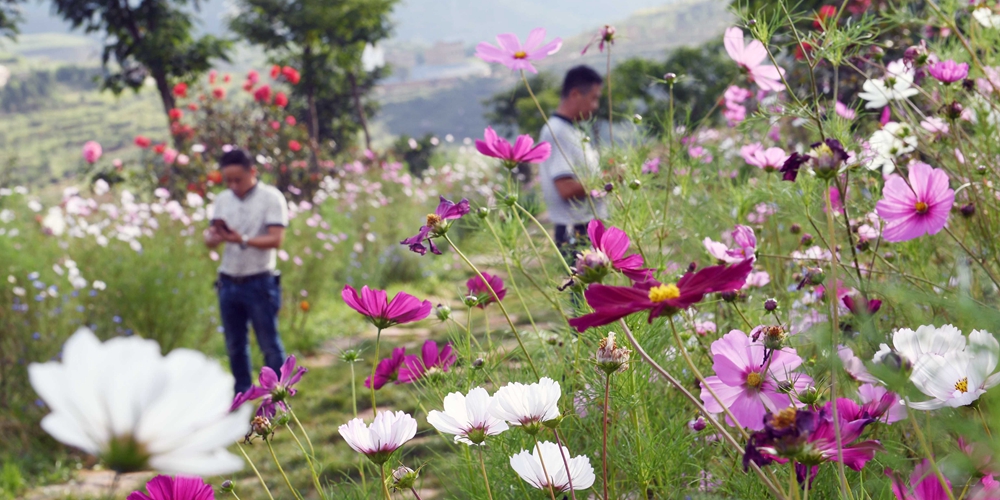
(770, 159)
(736, 94)
(388, 369)
(948, 71)
(515, 56)
(169, 155)
(272, 389)
(745, 246)
(91, 151)
(742, 383)
(935, 125)
(605, 35)
(414, 367)
(844, 112)
(853, 365)
(612, 303)
(524, 149)
(175, 488)
(437, 225)
(911, 213)
(372, 304)
(609, 248)
(379, 440)
(477, 288)
(877, 402)
(757, 279)
(651, 166)
(924, 484)
(751, 58)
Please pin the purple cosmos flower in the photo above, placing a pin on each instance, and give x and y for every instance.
(861, 305)
(383, 313)
(273, 389)
(877, 402)
(515, 56)
(612, 303)
(608, 252)
(913, 212)
(746, 246)
(827, 157)
(948, 71)
(923, 483)
(748, 383)
(431, 359)
(388, 369)
(606, 35)
(437, 225)
(524, 149)
(479, 290)
(175, 488)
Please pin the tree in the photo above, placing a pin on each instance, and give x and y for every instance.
(145, 38)
(10, 15)
(324, 39)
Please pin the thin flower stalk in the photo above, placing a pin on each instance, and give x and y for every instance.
(510, 276)
(385, 487)
(282, 470)
(309, 462)
(973, 257)
(548, 478)
(255, 471)
(604, 431)
(499, 304)
(531, 243)
(486, 479)
(701, 408)
(562, 452)
(845, 489)
(305, 434)
(378, 339)
(930, 457)
(547, 236)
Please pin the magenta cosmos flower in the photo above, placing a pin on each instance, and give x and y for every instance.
(175, 488)
(91, 151)
(768, 160)
(744, 246)
(924, 484)
(610, 246)
(383, 313)
(948, 71)
(751, 58)
(515, 56)
(911, 213)
(437, 225)
(479, 290)
(748, 384)
(524, 149)
(388, 369)
(273, 389)
(431, 359)
(612, 303)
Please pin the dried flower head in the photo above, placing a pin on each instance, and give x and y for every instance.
(612, 358)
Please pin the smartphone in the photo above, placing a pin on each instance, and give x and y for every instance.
(221, 225)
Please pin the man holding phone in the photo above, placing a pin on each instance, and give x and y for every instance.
(250, 218)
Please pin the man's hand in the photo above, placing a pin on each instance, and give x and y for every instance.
(570, 189)
(231, 236)
(212, 237)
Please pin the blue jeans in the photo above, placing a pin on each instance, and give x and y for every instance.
(257, 301)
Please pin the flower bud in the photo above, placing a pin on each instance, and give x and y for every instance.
(261, 426)
(470, 301)
(806, 239)
(770, 305)
(863, 245)
(981, 170)
(510, 200)
(916, 55)
(635, 184)
(483, 212)
(552, 340)
(592, 266)
(772, 336)
(443, 312)
(729, 296)
(227, 486)
(403, 478)
(815, 275)
(692, 266)
(795, 229)
(554, 423)
(699, 424)
(811, 396)
(636, 118)
(612, 358)
(670, 78)
(609, 187)
(877, 53)
(894, 361)
(478, 363)
(968, 84)
(968, 210)
(889, 256)
(350, 356)
(827, 158)
(954, 110)
(281, 418)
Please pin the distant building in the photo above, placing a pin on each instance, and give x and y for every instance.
(445, 53)
(400, 59)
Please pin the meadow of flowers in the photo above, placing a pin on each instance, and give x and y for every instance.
(793, 297)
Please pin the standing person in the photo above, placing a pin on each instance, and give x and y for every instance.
(250, 217)
(572, 157)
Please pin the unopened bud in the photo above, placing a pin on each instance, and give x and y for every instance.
(968, 210)
(968, 84)
(478, 363)
(729, 296)
(981, 170)
(770, 305)
(403, 478)
(470, 301)
(552, 340)
(954, 110)
(483, 212)
(795, 229)
(443, 312)
(889, 256)
(510, 200)
(227, 486)
(636, 118)
(810, 396)
(815, 275)
(670, 78)
(698, 424)
(635, 184)
(692, 266)
(609, 187)
(806, 239)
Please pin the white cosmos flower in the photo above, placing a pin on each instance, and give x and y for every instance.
(987, 17)
(528, 465)
(897, 85)
(527, 405)
(885, 145)
(467, 417)
(928, 339)
(379, 440)
(123, 401)
(959, 377)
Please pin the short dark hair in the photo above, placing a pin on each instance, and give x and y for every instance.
(580, 78)
(236, 157)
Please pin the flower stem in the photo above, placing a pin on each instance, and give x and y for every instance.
(303, 429)
(385, 489)
(371, 381)
(697, 404)
(604, 433)
(482, 466)
(414, 491)
(493, 293)
(281, 470)
(569, 477)
(354, 406)
(510, 274)
(255, 471)
(548, 478)
(534, 248)
(973, 256)
(309, 462)
(611, 123)
(930, 458)
(547, 236)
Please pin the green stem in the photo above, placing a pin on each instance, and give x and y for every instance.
(493, 293)
(482, 466)
(255, 471)
(281, 470)
(510, 274)
(309, 462)
(930, 458)
(569, 477)
(604, 433)
(303, 429)
(531, 243)
(371, 381)
(385, 489)
(548, 478)
(547, 236)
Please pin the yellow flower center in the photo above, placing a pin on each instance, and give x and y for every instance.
(754, 380)
(784, 418)
(433, 220)
(661, 293)
(962, 385)
(921, 207)
(822, 150)
(520, 55)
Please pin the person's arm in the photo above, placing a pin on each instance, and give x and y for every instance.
(570, 188)
(213, 238)
(272, 239)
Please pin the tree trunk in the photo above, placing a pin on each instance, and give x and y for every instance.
(360, 109)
